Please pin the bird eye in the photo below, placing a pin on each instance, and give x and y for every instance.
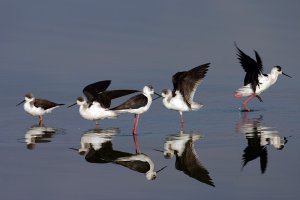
(278, 68)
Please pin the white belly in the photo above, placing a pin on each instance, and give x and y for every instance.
(32, 110)
(96, 112)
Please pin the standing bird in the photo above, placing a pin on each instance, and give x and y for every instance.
(38, 107)
(137, 105)
(255, 81)
(185, 85)
(98, 100)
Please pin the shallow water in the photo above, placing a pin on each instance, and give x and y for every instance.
(40, 161)
(222, 152)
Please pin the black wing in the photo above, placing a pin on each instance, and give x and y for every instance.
(134, 102)
(92, 90)
(188, 82)
(105, 97)
(45, 104)
(135, 165)
(104, 155)
(252, 68)
(189, 163)
(263, 159)
(253, 151)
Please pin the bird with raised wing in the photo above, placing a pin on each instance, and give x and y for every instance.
(98, 101)
(185, 84)
(255, 81)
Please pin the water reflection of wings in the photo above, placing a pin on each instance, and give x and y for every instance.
(258, 137)
(96, 138)
(99, 149)
(38, 134)
(182, 146)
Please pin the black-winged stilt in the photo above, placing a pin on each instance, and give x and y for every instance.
(137, 105)
(38, 107)
(98, 100)
(255, 81)
(185, 85)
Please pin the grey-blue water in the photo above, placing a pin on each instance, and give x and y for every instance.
(54, 49)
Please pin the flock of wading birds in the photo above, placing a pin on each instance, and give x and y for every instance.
(96, 105)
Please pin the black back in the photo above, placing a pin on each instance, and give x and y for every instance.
(252, 68)
(45, 104)
(134, 102)
(135, 165)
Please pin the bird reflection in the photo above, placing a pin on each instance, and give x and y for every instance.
(38, 134)
(182, 146)
(258, 137)
(96, 139)
(98, 148)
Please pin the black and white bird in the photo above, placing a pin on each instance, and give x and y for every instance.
(98, 148)
(258, 136)
(38, 107)
(255, 81)
(182, 146)
(98, 100)
(38, 134)
(139, 163)
(137, 105)
(185, 84)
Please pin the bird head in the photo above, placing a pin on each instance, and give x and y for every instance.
(278, 70)
(28, 98)
(148, 89)
(166, 93)
(151, 175)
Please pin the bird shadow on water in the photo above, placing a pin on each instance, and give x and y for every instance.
(258, 137)
(97, 147)
(181, 146)
(40, 133)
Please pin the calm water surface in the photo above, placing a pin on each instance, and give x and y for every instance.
(55, 48)
(222, 153)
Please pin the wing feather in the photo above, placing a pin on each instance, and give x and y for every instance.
(252, 68)
(134, 102)
(92, 90)
(188, 82)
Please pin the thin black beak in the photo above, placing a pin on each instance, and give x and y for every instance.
(161, 169)
(20, 102)
(158, 150)
(74, 149)
(158, 96)
(286, 75)
(72, 105)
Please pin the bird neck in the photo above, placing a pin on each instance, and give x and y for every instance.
(273, 77)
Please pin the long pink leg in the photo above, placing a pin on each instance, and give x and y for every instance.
(136, 144)
(181, 120)
(247, 100)
(135, 123)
